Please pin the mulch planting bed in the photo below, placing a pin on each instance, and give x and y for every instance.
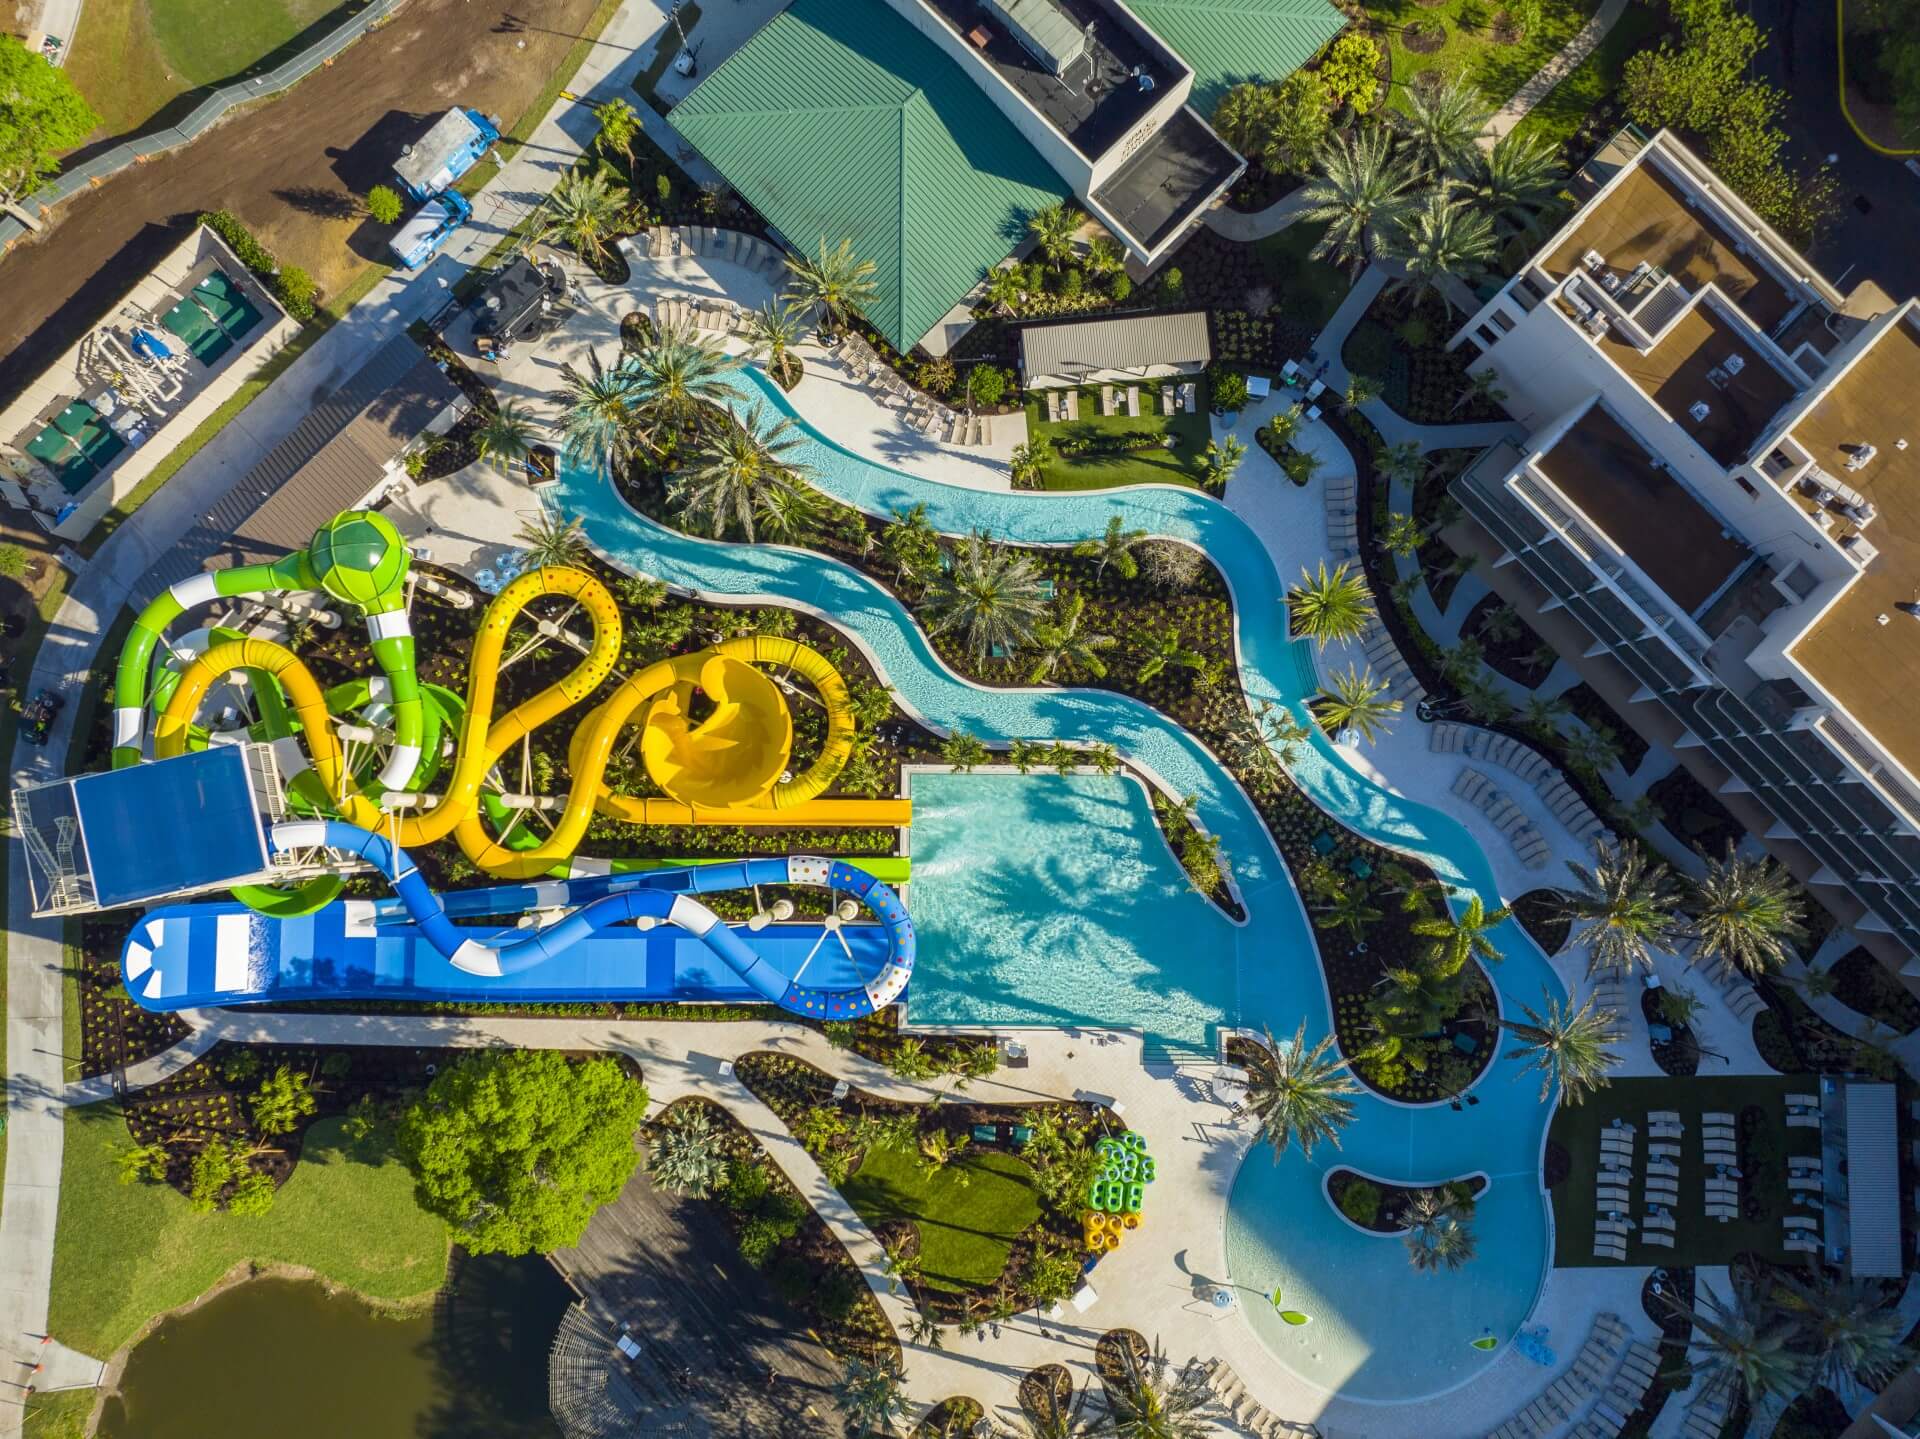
(1601, 716)
(114, 1031)
(1678, 1056)
(1542, 913)
(808, 1265)
(1865, 986)
(1693, 815)
(1402, 343)
(1380, 1206)
(1794, 1040)
(1507, 644)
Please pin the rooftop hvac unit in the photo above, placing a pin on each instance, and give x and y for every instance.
(1043, 30)
(1861, 456)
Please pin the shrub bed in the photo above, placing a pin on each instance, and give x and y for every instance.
(1693, 814)
(1380, 1206)
(1863, 984)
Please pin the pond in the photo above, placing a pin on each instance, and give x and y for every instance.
(285, 1355)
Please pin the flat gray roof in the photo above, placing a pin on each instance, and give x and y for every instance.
(1129, 343)
(1873, 1182)
(333, 458)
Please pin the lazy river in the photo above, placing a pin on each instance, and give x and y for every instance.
(1380, 1331)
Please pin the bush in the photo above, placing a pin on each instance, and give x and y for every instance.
(1173, 283)
(745, 1186)
(1122, 287)
(758, 1241)
(1072, 283)
(986, 384)
(13, 561)
(1351, 71)
(1229, 390)
(383, 203)
(295, 290)
(1360, 1202)
(251, 253)
(663, 187)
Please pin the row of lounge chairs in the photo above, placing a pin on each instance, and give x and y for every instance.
(920, 413)
(1608, 1380)
(1504, 815)
(710, 242)
(1742, 998)
(1806, 1178)
(1613, 1193)
(1560, 798)
(1343, 517)
(1246, 1412)
(1803, 1111)
(1112, 400)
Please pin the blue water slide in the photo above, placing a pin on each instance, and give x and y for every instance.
(159, 953)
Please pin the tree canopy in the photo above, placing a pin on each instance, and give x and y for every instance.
(41, 114)
(515, 1150)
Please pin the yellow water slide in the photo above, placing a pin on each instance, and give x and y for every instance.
(726, 765)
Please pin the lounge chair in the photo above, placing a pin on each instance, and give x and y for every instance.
(1665, 1131)
(1716, 1117)
(1605, 1247)
(1657, 1221)
(1664, 1167)
(1663, 1151)
(1803, 1246)
(1805, 1101)
(1803, 1121)
(1663, 1116)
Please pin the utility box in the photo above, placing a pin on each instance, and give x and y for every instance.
(1044, 31)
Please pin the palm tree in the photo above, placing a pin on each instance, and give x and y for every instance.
(1059, 642)
(1483, 385)
(1590, 748)
(679, 378)
(737, 467)
(1855, 1336)
(1748, 910)
(1459, 938)
(773, 330)
(1742, 1342)
(1623, 908)
(1147, 1402)
(1053, 229)
(1262, 742)
(1356, 700)
(1515, 180)
(1403, 536)
(911, 542)
(1348, 908)
(1404, 463)
(1358, 196)
(1330, 605)
(1569, 1046)
(1005, 288)
(1442, 127)
(583, 210)
(1300, 1095)
(618, 125)
(1029, 462)
(1439, 1231)
(835, 280)
(504, 437)
(551, 542)
(599, 423)
(1245, 117)
(1221, 459)
(787, 514)
(1114, 547)
(988, 593)
(1104, 255)
(685, 1155)
(1361, 391)
(872, 1396)
(1166, 647)
(1444, 238)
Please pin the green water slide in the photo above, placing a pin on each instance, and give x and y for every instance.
(356, 558)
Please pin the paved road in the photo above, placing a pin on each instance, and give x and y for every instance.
(1880, 197)
(36, 1096)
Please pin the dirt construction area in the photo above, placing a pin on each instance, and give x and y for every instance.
(292, 167)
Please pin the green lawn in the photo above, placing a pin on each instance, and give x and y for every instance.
(1697, 1239)
(131, 57)
(1497, 69)
(1559, 114)
(61, 1415)
(967, 1214)
(125, 1253)
(1177, 466)
(1308, 290)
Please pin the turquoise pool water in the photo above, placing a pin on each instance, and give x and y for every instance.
(1024, 931)
(1280, 1231)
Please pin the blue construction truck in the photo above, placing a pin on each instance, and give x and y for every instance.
(427, 171)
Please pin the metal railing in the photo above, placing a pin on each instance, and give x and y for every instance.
(207, 113)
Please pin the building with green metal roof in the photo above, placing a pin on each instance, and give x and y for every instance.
(927, 132)
(1230, 42)
(837, 119)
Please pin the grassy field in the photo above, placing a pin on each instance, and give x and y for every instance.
(967, 1214)
(126, 1253)
(1310, 290)
(131, 57)
(1697, 1239)
(59, 1416)
(1177, 466)
(1559, 114)
(1469, 46)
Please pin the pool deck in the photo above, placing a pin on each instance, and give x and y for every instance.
(1151, 1283)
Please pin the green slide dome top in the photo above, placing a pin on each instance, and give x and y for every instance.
(358, 557)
